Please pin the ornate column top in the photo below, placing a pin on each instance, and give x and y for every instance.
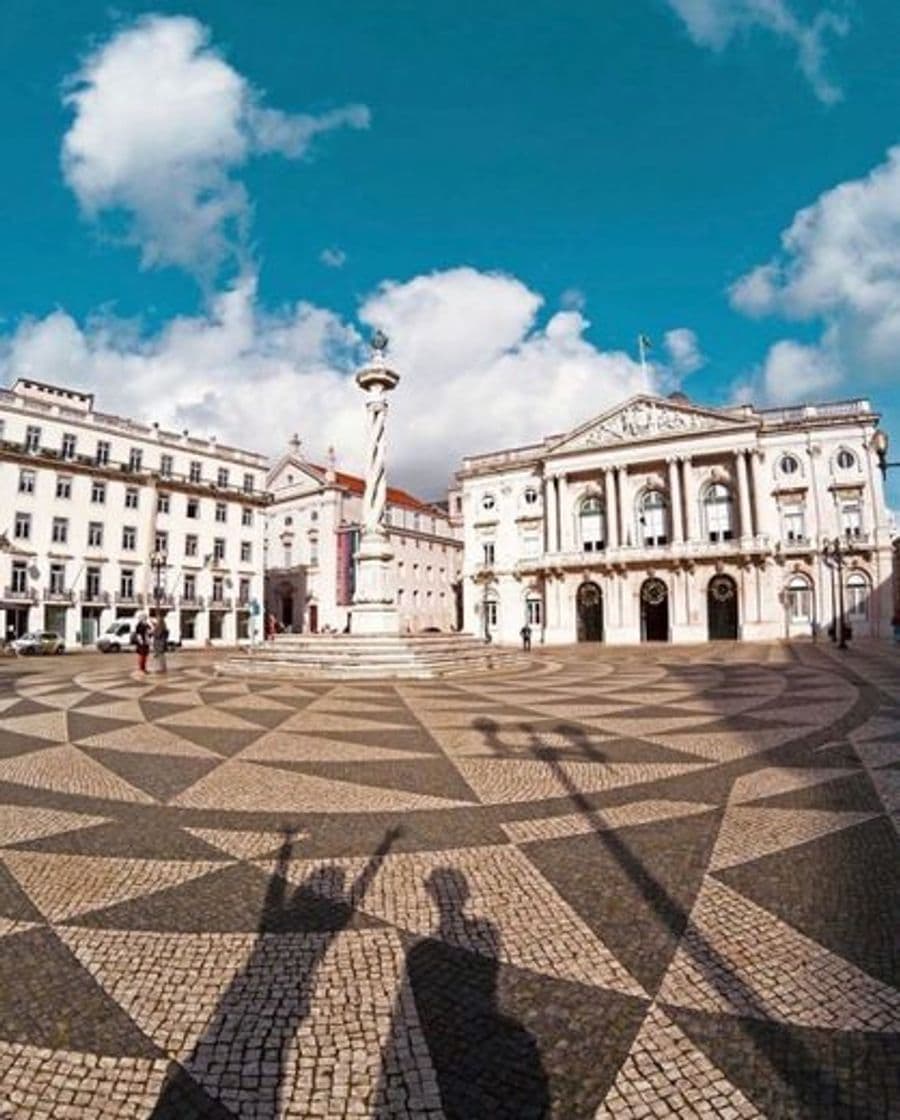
(376, 377)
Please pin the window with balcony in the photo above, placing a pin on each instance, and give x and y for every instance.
(531, 546)
(131, 497)
(27, 481)
(129, 538)
(221, 512)
(857, 596)
(851, 518)
(135, 459)
(218, 589)
(98, 492)
(69, 443)
(57, 579)
(591, 524)
(32, 438)
(718, 512)
(166, 466)
(92, 584)
(163, 503)
(22, 527)
(244, 592)
(195, 470)
(59, 532)
(95, 534)
(161, 541)
(248, 483)
(246, 517)
(126, 583)
(63, 486)
(190, 545)
(189, 587)
(488, 554)
(653, 519)
(102, 456)
(19, 577)
(222, 476)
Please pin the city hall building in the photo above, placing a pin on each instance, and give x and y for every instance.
(664, 521)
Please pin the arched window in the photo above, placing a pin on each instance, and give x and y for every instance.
(799, 599)
(857, 596)
(718, 512)
(592, 524)
(652, 518)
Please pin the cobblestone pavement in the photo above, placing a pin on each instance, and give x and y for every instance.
(639, 884)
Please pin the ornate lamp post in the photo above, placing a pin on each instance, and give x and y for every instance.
(880, 447)
(374, 601)
(158, 562)
(834, 555)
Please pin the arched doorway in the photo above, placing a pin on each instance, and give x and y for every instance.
(654, 611)
(589, 603)
(722, 609)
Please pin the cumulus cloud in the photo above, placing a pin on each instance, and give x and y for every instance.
(715, 23)
(839, 265)
(333, 258)
(479, 370)
(684, 350)
(161, 123)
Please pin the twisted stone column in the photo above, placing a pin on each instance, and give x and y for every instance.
(375, 497)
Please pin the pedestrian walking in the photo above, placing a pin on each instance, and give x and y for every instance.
(141, 641)
(525, 634)
(160, 643)
(270, 626)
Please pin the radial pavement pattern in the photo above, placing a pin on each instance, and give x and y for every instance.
(620, 884)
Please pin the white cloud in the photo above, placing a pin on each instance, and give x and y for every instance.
(333, 258)
(573, 299)
(683, 350)
(161, 123)
(478, 371)
(840, 265)
(714, 23)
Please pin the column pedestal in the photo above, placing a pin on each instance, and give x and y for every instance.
(374, 608)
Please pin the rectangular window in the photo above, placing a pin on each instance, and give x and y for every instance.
(248, 483)
(218, 589)
(126, 583)
(794, 528)
(163, 503)
(244, 592)
(195, 471)
(222, 476)
(95, 534)
(135, 459)
(531, 545)
(246, 517)
(32, 438)
(27, 480)
(63, 486)
(246, 552)
(487, 553)
(69, 443)
(221, 512)
(165, 466)
(533, 612)
(98, 492)
(851, 518)
(190, 545)
(161, 541)
(193, 508)
(19, 577)
(129, 538)
(491, 611)
(60, 530)
(190, 587)
(92, 584)
(188, 626)
(57, 579)
(102, 456)
(219, 548)
(131, 497)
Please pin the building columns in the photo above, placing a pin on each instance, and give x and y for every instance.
(612, 513)
(550, 513)
(675, 502)
(690, 500)
(743, 488)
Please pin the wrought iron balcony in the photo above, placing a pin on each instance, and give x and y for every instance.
(130, 599)
(20, 594)
(222, 603)
(95, 598)
(58, 595)
(191, 602)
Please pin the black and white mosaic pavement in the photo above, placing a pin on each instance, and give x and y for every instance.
(650, 883)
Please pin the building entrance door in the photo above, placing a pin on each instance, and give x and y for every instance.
(287, 611)
(589, 603)
(654, 611)
(16, 622)
(313, 618)
(722, 609)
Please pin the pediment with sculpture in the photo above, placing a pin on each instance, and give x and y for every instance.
(644, 418)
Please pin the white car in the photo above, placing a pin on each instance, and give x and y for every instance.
(117, 636)
(39, 641)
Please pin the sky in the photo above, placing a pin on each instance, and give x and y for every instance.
(207, 207)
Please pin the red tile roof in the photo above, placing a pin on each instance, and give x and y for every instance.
(356, 485)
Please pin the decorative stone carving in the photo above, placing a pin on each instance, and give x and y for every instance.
(645, 418)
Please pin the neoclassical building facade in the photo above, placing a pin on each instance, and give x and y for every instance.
(664, 521)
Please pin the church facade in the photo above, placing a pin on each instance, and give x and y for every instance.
(664, 521)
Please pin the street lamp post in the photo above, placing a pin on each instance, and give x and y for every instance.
(834, 555)
(158, 562)
(880, 446)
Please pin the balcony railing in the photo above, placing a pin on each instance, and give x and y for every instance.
(191, 602)
(130, 599)
(20, 594)
(95, 598)
(222, 603)
(58, 595)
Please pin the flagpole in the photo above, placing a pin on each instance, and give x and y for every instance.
(642, 353)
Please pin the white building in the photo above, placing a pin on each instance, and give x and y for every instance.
(313, 526)
(86, 499)
(660, 520)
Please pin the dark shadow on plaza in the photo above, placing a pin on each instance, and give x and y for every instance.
(486, 1064)
(237, 1066)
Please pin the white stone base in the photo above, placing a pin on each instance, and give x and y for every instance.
(374, 618)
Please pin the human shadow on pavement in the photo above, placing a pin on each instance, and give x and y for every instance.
(486, 1064)
(238, 1065)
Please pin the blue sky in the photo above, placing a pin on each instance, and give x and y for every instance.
(513, 191)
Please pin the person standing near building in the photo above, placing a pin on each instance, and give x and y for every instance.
(142, 642)
(525, 634)
(160, 643)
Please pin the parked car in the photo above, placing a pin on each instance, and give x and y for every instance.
(120, 635)
(39, 641)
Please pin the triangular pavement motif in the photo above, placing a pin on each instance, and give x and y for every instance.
(736, 958)
(50, 725)
(19, 824)
(540, 829)
(62, 700)
(312, 723)
(241, 844)
(129, 711)
(254, 788)
(161, 780)
(749, 833)
(68, 770)
(148, 738)
(63, 886)
(206, 717)
(10, 926)
(505, 781)
(253, 702)
(665, 1076)
(291, 746)
(772, 780)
